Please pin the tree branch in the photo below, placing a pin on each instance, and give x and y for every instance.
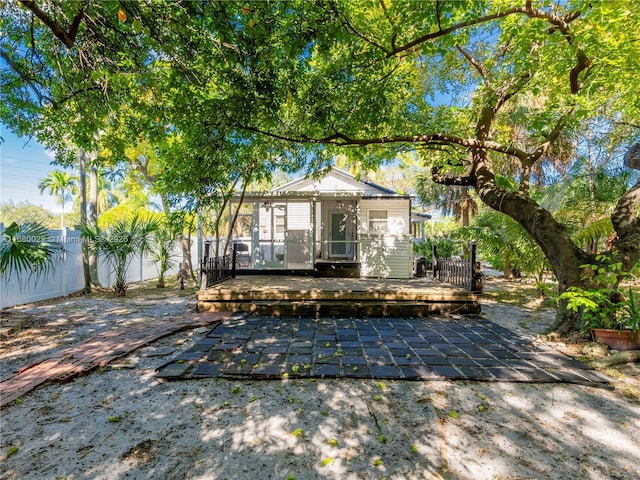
(626, 356)
(511, 88)
(67, 38)
(459, 26)
(30, 82)
(342, 140)
(548, 141)
(442, 179)
(475, 63)
(354, 31)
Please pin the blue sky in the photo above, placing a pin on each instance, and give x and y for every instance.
(23, 162)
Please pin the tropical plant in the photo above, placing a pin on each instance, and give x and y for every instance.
(27, 249)
(61, 184)
(120, 242)
(506, 245)
(456, 200)
(603, 304)
(162, 251)
(446, 247)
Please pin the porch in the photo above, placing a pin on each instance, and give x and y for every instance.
(278, 295)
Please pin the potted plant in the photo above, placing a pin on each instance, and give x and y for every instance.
(625, 331)
(612, 317)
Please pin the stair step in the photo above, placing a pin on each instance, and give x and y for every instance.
(342, 308)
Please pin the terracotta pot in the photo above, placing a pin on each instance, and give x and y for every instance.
(617, 339)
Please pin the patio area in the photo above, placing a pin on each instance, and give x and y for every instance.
(280, 295)
(452, 347)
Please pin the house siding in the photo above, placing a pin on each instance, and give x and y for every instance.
(388, 255)
(398, 220)
(295, 226)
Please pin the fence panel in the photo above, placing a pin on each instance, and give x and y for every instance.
(67, 276)
(64, 278)
(459, 271)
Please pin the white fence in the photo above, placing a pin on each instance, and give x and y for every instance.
(67, 277)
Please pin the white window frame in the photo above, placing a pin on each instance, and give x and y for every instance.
(378, 224)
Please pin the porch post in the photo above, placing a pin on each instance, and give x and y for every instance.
(312, 226)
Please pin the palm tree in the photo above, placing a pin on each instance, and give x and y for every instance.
(26, 249)
(61, 184)
(165, 239)
(456, 200)
(120, 242)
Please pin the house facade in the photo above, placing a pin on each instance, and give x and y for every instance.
(334, 226)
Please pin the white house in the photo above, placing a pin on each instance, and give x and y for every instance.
(335, 226)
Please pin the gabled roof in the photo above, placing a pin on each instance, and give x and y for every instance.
(333, 182)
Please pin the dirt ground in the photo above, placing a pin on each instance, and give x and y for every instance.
(121, 422)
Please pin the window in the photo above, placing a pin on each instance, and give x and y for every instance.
(378, 221)
(279, 219)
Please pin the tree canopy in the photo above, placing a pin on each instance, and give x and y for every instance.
(482, 91)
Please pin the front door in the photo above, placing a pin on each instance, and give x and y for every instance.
(338, 234)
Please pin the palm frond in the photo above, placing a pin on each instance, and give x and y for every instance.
(27, 250)
(119, 244)
(593, 232)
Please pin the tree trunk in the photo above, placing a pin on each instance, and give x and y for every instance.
(185, 244)
(93, 221)
(464, 204)
(83, 219)
(552, 237)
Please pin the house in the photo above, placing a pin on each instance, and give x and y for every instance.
(335, 226)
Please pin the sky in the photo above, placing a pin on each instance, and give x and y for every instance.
(23, 163)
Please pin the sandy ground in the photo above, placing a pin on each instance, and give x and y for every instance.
(121, 422)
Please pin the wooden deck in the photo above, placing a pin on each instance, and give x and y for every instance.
(308, 296)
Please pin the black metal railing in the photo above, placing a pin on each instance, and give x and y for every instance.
(216, 269)
(462, 271)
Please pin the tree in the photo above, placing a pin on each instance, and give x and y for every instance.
(119, 243)
(500, 237)
(25, 212)
(60, 184)
(360, 78)
(378, 77)
(162, 251)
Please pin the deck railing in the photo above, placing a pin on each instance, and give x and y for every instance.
(462, 271)
(216, 269)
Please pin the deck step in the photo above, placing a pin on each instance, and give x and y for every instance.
(308, 296)
(343, 308)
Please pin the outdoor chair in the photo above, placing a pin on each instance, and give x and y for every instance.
(243, 257)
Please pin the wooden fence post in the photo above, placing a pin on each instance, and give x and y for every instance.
(434, 260)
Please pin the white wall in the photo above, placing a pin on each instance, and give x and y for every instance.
(67, 277)
(388, 255)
